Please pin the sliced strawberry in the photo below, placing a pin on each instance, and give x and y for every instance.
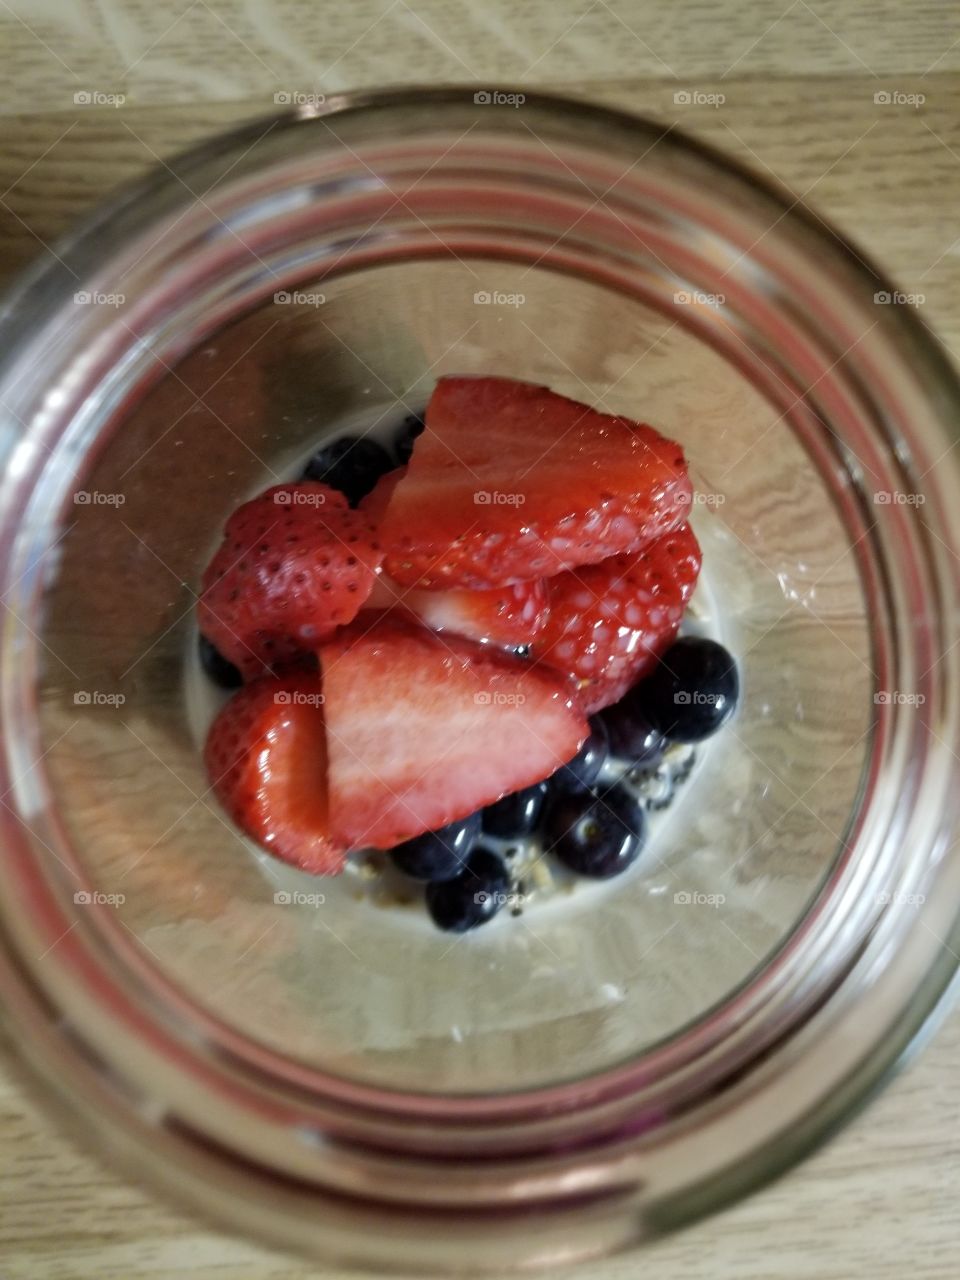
(509, 616)
(378, 499)
(266, 759)
(294, 565)
(511, 482)
(609, 621)
(423, 730)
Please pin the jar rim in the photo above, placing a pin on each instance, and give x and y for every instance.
(627, 1102)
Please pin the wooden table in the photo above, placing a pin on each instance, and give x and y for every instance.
(799, 84)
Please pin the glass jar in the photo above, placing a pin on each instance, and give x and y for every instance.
(297, 1058)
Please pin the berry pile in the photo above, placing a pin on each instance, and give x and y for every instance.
(590, 817)
(417, 635)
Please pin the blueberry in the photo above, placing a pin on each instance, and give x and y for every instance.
(352, 464)
(411, 427)
(692, 691)
(438, 855)
(220, 671)
(474, 897)
(580, 773)
(597, 836)
(632, 737)
(516, 814)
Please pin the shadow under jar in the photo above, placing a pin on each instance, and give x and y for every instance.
(336, 1077)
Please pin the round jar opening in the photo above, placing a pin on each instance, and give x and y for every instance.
(336, 265)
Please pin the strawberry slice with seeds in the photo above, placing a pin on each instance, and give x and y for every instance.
(422, 730)
(295, 564)
(608, 622)
(511, 482)
(266, 758)
(508, 616)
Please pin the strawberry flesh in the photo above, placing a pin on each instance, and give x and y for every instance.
(266, 759)
(423, 730)
(295, 564)
(512, 482)
(375, 504)
(608, 622)
(507, 616)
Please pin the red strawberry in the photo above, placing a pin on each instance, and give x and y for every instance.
(378, 499)
(266, 758)
(609, 621)
(422, 731)
(511, 482)
(294, 565)
(507, 616)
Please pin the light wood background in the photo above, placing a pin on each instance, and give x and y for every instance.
(799, 82)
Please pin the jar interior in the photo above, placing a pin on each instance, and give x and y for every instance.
(367, 989)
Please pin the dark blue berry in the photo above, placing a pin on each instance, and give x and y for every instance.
(411, 427)
(580, 773)
(352, 464)
(516, 814)
(474, 897)
(597, 836)
(632, 737)
(438, 855)
(220, 671)
(693, 689)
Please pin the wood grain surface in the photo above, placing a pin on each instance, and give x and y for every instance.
(798, 85)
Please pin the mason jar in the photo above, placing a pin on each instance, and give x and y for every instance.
(307, 1060)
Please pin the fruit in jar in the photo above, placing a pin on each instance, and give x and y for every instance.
(422, 729)
(511, 481)
(266, 759)
(294, 565)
